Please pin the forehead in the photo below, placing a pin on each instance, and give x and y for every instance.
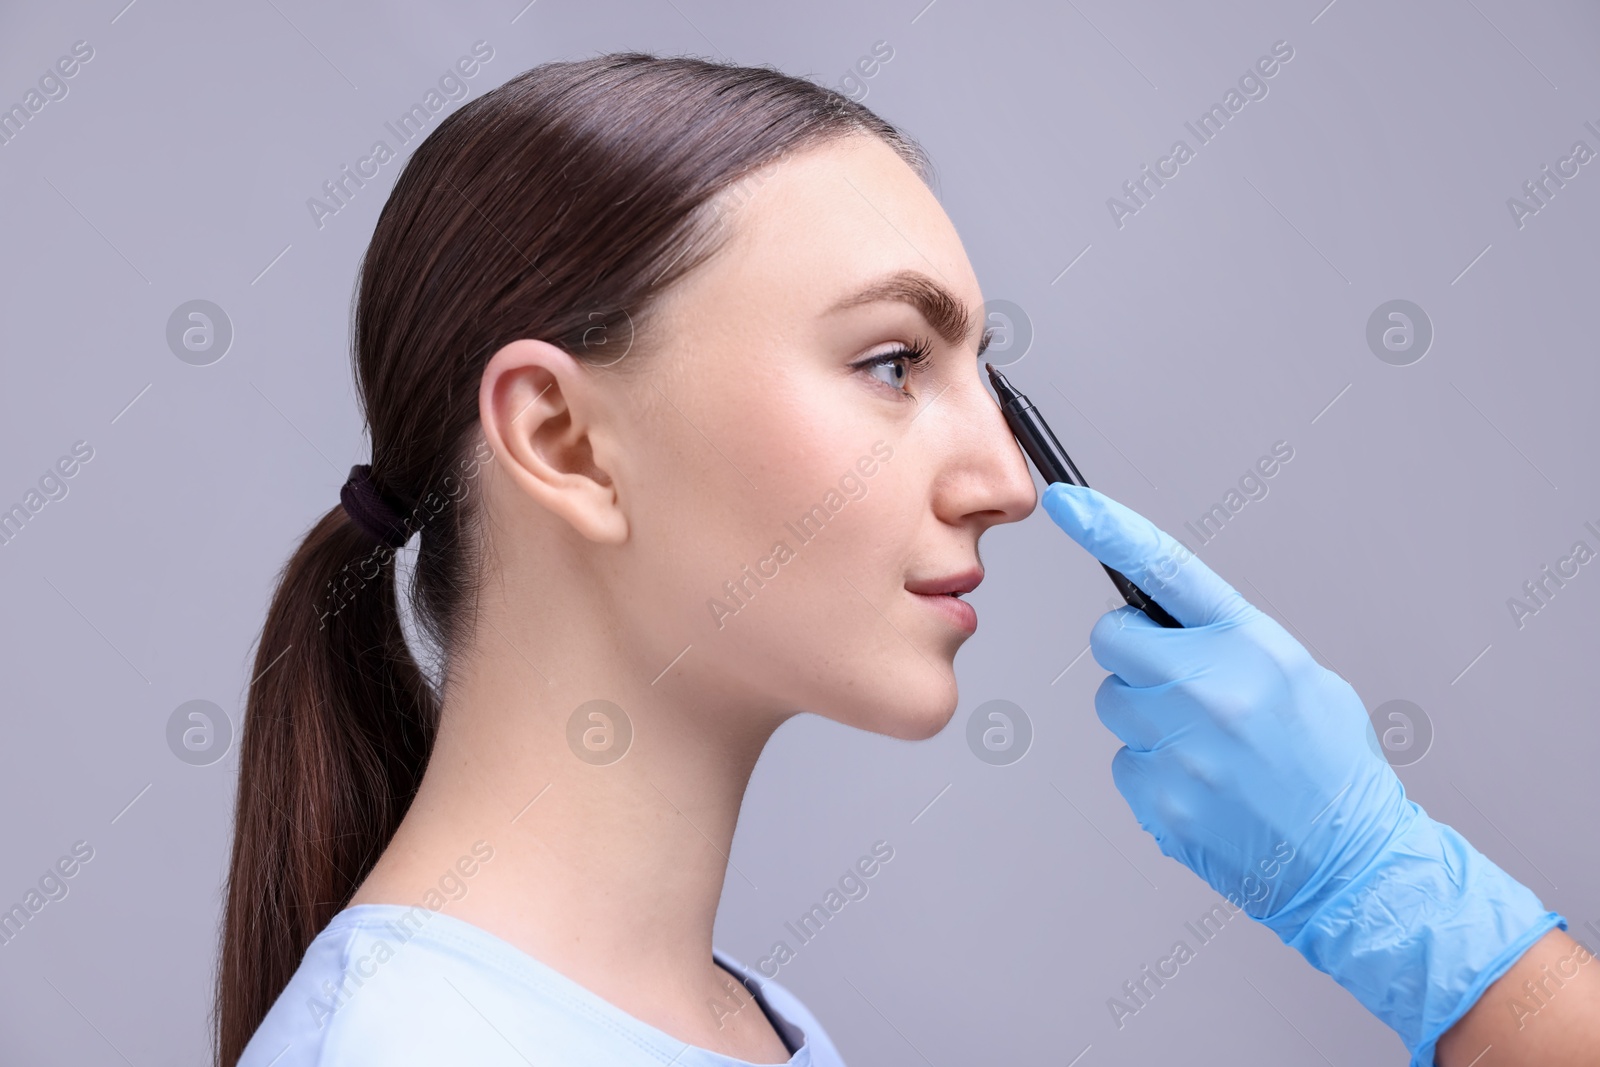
(820, 226)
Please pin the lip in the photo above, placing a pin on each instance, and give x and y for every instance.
(943, 595)
(953, 609)
(957, 584)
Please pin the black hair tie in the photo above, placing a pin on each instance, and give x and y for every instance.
(370, 511)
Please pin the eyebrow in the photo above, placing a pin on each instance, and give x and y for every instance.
(947, 315)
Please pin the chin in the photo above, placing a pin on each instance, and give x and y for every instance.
(923, 727)
(909, 719)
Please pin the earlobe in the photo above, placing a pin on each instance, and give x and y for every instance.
(542, 417)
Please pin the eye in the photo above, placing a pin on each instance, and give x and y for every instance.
(894, 367)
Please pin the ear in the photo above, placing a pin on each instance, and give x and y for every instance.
(541, 414)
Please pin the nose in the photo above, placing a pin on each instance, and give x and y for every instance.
(985, 480)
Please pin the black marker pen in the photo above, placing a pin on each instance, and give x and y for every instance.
(1053, 463)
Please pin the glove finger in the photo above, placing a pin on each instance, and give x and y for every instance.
(1107, 645)
(1143, 653)
(1141, 718)
(1152, 559)
(1131, 775)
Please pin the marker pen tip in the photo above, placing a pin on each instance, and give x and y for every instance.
(1003, 389)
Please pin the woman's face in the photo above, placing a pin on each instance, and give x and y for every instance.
(795, 500)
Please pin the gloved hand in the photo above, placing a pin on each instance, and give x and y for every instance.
(1258, 769)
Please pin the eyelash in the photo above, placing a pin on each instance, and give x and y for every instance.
(913, 355)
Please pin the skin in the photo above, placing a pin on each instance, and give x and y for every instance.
(1552, 1020)
(620, 501)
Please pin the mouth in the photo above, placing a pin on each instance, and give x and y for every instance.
(943, 595)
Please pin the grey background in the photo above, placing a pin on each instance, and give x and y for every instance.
(1228, 314)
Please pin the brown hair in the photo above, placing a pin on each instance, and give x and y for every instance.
(557, 206)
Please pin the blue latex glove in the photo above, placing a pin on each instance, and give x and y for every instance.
(1258, 769)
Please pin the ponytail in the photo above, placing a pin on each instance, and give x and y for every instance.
(338, 725)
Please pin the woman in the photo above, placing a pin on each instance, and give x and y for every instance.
(670, 367)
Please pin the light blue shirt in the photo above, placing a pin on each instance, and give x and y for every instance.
(388, 985)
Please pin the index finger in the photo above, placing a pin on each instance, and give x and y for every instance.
(1152, 559)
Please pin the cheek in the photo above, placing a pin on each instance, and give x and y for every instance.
(829, 629)
(798, 516)
(788, 586)
(740, 506)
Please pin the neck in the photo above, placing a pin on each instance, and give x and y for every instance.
(608, 872)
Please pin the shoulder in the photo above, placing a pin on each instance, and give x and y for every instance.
(342, 1000)
(396, 986)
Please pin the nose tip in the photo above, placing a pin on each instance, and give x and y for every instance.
(1033, 501)
(1009, 481)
